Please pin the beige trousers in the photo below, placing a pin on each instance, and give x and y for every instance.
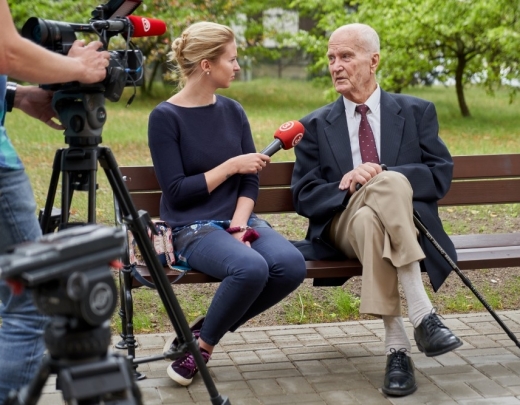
(377, 228)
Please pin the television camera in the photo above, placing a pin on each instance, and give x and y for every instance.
(108, 20)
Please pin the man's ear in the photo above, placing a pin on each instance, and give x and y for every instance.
(374, 62)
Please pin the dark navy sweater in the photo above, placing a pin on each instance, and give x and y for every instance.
(186, 142)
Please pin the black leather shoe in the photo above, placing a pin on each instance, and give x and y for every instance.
(399, 374)
(433, 338)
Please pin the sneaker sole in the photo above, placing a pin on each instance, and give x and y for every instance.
(173, 336)
(178, 378)
(442, 351)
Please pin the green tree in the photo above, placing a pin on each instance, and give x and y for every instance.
(468, 41)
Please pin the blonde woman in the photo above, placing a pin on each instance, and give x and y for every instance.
(207, 167)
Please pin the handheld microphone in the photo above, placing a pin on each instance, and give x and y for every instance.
(146, 27)
(287, 136)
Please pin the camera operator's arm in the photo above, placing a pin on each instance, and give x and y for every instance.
(36, 103)
(24, 60)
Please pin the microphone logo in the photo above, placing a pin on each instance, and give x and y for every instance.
(146, 24)
(297, 139)
(286, 126)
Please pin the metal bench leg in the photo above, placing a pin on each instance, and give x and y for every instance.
(126, 313)
(122, 312)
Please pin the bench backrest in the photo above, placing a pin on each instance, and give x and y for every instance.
(478, 179)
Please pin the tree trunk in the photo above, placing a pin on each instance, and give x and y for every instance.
(459, 86)
(147, 85)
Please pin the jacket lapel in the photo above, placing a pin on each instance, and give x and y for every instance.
(338, 136)
(392, 126)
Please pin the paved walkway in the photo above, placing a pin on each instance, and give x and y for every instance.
(340, 363)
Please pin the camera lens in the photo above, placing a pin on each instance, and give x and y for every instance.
(53, 35)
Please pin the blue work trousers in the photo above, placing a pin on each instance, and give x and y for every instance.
(21, 333)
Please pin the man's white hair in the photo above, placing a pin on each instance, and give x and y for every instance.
(367, 34)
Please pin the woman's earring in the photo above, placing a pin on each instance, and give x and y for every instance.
(207, 72)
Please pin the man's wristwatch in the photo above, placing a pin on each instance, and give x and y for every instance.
(10, 92)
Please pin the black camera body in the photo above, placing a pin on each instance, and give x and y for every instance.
(126, 66)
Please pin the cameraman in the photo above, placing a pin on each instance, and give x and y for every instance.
(21, 333)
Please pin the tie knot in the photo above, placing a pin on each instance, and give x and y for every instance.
(362, 109)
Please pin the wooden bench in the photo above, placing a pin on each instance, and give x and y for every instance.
(480, 179)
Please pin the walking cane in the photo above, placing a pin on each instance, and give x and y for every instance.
(465, 280)
(452, 264)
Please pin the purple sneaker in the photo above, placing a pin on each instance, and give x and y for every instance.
(172, 341)
(184, 368)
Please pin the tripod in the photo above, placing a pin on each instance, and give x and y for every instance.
(72, 283)
(83, 115)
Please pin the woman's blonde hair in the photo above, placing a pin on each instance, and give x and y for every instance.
(203, 40)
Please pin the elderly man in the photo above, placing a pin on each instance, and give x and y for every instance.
(357, 209)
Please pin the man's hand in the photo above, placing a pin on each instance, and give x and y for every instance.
(36, 103)
(95, 61)
(361, 174)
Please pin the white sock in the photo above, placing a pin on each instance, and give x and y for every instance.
(419, 305)
(395, 334)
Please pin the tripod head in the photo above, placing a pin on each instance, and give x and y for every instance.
(69, 275)
(82, 114)
(69, 272)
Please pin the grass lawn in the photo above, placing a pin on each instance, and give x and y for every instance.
(493, 128)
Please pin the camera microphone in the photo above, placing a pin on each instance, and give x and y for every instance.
(287, 136)
(146, 27)
(140, 26)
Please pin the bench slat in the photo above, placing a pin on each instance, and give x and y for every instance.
(278, 200)
(488, 258)
(142, 178)
(486, 166)
(139, 178)
(485, 240)
(482, 192)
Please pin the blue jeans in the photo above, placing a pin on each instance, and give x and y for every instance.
(21, 333)
(253, 278)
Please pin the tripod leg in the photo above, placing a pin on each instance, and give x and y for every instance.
(45, 219)
(137, 224)
(465, 280)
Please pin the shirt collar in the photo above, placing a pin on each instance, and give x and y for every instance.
(372, 103)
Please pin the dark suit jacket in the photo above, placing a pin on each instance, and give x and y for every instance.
(409, 144)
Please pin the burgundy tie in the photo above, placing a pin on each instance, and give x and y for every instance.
(367, 143)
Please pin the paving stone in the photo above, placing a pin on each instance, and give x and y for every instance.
(266, 387)
(458, 390)
(353, 350)
(255, 337)
(338, 397)
(494, 371)
(489, 388)
(450, 359)
(295, 385)
(490, 401)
